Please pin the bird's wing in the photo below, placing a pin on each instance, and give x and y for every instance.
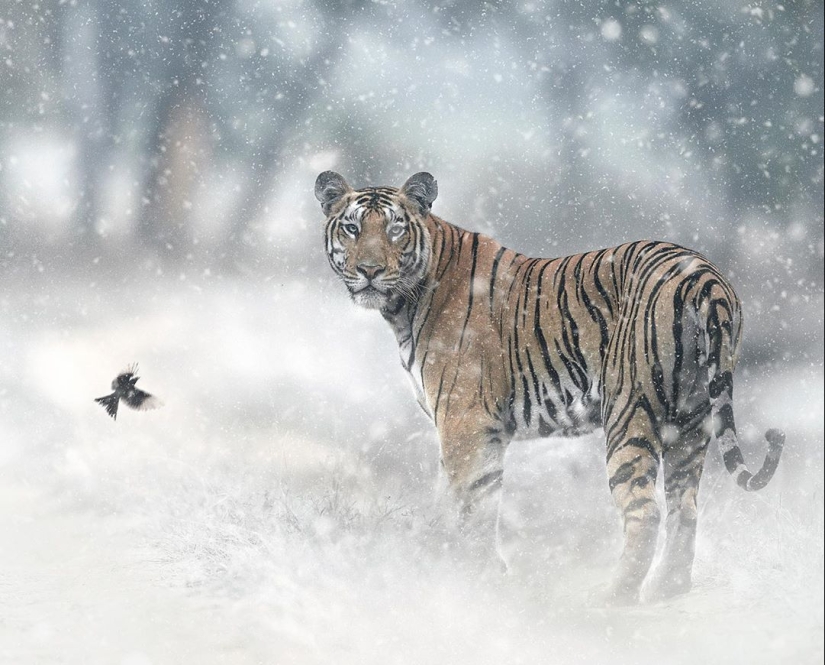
(142, 401)
(109, 402)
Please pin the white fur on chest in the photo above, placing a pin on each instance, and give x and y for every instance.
(415, 375)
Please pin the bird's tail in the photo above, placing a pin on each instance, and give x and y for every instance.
(109, 403)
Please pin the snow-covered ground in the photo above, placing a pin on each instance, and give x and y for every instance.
(278, 509)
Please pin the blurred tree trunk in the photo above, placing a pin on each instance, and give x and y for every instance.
(181, 148)
(564, 89)
(90, 62)
(307, 85)
(269, 157)
(178, 138)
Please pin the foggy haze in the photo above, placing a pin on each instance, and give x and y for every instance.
(157, 162)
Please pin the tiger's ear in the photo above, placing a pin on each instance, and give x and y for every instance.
(421, 188)
(329, 188)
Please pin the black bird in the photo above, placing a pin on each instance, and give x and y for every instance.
(124, 389)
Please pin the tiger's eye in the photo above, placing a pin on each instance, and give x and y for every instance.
(352, 229)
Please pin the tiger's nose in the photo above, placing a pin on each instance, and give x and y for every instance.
(370, 270)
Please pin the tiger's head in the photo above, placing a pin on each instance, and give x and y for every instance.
(376, 238)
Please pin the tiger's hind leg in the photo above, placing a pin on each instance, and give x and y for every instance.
(684, 460)
(632, 467)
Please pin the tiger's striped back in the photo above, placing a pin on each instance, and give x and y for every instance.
(553, 322)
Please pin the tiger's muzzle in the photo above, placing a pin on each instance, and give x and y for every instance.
(372, 290)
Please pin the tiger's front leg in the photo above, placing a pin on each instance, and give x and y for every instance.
(472, 457)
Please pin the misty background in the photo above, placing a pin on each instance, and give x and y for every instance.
(157, 162)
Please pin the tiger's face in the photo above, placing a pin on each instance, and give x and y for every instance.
(376, 238)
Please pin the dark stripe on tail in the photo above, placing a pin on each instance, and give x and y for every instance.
(722, 335)
(752, 482)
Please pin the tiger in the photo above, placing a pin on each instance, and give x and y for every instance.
(640, 340)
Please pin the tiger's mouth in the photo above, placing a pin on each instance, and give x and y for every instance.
(370, 297)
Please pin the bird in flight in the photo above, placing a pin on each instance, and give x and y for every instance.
(124, 389)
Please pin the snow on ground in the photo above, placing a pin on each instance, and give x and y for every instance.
(278, 509)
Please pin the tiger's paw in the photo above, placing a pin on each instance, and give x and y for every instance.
(665, 587)
(489, 563)
(615, 595)
(621, 598)
(493, 571)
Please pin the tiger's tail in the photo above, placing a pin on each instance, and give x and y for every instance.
(723, 326)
